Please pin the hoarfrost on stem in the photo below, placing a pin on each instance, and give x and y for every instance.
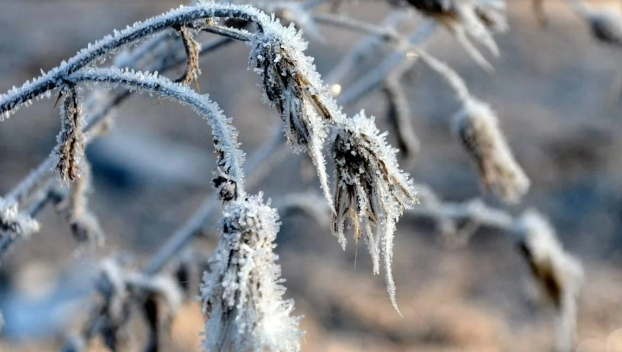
(242, 293)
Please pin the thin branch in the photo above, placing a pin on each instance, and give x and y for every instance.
(362, 48)
(141, 30)
(26, 186)
(372, 79)
(399, 114)
(224, 133)
(382, 32)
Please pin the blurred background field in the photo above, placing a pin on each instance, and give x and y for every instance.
(550, 90)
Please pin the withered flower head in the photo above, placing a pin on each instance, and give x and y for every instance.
(370, 189)
(292, 85)
(558, 273)
(478, 19)
(478, 128)
(242, 292)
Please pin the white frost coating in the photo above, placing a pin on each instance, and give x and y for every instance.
(242, 293)
(293, 86)
(224, 133)
(370, 188)
(14, 223)
(98, 51)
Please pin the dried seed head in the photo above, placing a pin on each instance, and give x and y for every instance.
(84, 224)
(292, 85)
(558, 273)
(193, 48)
(370, 189)
(475, 18)
(478, 128)
(70, 140)
(242, 295)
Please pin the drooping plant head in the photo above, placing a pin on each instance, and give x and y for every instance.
(370, 189)
(477, 127)
(292, 85)
(242, 293)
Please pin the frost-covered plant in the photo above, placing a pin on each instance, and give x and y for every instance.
(477, 127)
(292, 85)
(476, 18)
(242, 293)
(370, 189)
(558, 273)
(84, 224)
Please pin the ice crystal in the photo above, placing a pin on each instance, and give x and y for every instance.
(478, 128)
(242, 293)
(370, 189)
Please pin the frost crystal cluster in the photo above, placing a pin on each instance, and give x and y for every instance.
(478, 128)
(242, 292)
(370, 189)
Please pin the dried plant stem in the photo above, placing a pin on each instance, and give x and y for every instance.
(360, 50)
(453, 79)
(385, 33)
(192, 49)
(399, 115)
(71, 138)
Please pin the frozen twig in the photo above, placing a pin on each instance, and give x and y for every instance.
(224, 134)
(399, 115)
(361, 49)
(141, 30)
(375, 77)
